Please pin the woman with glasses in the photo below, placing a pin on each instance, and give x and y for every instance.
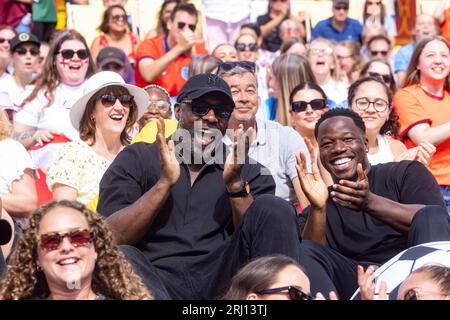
(104, 117)
(372, 100)
(116, 33)
(380, 69)
(67, 253)
(276, 277)
(350, 59)
(6, 34)
(423, 105)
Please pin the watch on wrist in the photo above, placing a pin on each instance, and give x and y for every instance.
(241, 193)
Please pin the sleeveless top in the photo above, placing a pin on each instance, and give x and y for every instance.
(384, 153)
(132, 55)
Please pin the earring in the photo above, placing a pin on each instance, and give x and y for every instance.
(38, 268)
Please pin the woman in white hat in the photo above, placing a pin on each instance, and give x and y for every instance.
(104, 117)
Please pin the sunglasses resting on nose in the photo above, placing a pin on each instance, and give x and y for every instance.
(181, 26)
(108, 100)
(3, 40)
(69, 53)
(201, 109)
(294, 293)
(382, 52)
(119, 17)
(341, 8)
(21, 51)
(316, 104)
(246, 47)
(52, 241)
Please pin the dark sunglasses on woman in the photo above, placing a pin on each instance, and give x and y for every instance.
(294, 293)
(119, 17)
(316, 104)
(246, 47)
(52, 241)
(3, 40)
(69, 53)
(108, 100)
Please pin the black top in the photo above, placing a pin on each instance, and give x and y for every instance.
(360, 236)
(194, 220)
(272, 41)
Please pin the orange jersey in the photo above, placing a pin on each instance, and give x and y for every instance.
(415, 106)
(175, 76)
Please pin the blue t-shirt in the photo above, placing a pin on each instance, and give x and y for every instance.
(324, 29)
(403, 56)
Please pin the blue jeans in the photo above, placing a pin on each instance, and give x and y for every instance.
(445, 190)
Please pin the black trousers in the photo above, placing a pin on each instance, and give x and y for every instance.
(43, 30)
(328, 270)
(269, 226)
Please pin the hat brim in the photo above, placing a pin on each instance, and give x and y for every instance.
(109, 60)
(140, 98)
(201, 92)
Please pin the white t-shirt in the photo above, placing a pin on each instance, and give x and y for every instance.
(14, 160)
(54, 117)
(9, 86)
(230, 11)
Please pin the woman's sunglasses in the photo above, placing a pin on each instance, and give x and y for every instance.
(3, 40)
(69, 53)
(119, 17)
(294, 293)
(246, 47)
(52, 241)
(316, 104)
(21, 51)
(108, 100)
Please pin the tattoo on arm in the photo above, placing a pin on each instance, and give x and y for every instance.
(24, 135)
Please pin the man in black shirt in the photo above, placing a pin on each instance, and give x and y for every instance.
(188, 218)
(369, 214)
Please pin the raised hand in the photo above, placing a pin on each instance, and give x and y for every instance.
(332, 296)
(366, 283)
(351, 194)
(170, 168)
(187, 40)
(312, 184)
(43, 136)
(236, 159)
(423, 153)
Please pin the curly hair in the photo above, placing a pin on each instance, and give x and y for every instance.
(113, 276)
(5, 127)
(49, 78)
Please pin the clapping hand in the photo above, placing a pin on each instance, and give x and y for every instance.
(366, 283)
(170, 168)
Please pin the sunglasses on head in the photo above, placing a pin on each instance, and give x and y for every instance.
(69, 53)
(108, 100)
(21, 51)
(52, 241)
(201, 109)
(119, 17)
(294, 293)
(3, 40)
(246, 47)
(181, 26)
(316, 104)
(387, 78)
(227, 66)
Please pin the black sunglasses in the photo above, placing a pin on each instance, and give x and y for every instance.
(69, 53)
(119, 17)
(294, 293)
(23, 51)
(341, 8)
(227, 66)
(201, 108)
(244, 47)
(316, 104)
(3, 40)
(181, 26)
(387, 78)
(108, 100)
(382, 52)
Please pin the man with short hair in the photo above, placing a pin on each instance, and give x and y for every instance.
(380, 47)
(188, 217)
(164, 60)
(339, 27)
(369, 214)
(273, 145)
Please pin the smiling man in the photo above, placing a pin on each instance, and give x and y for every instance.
(188, 224)
(369, 214)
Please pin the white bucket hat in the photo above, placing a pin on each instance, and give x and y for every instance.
(99, 81)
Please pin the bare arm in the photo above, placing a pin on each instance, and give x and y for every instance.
(267, 28)
(64, 192)
(22, 201)
(129, 224)
(439, 11)
(6, 248)
(28, 136)
(423, 132)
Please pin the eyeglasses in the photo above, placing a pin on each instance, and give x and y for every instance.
(317, 52)
(119, 17)
(387, 78)
(341, 8)
(316, 104)
(343, 57)
(112, 67)
(181, 26)
(108, 100)
(52, 241)
(294, 293)
(414, 294)
(160, 104)
(227, 66)
(374, 3)
(246, 47)
(201, 109)
(69, 53)
(21, 51)
(382, 52)
(3, 40)
(379, 104)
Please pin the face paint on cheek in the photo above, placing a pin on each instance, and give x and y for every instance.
(64, 63)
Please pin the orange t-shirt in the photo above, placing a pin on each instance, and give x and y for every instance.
(445, 26)
(175, 76)
(414, 106)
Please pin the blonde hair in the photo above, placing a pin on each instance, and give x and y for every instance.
(336, 73)
(5, 127)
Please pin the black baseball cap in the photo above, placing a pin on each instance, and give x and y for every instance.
(204, 83)
(341, 2)
(24, 37)
(111, 54)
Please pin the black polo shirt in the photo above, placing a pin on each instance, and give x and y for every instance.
(360, 236)
(271, 41)
(194, 220)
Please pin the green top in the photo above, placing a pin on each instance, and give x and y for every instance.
(44, 11)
